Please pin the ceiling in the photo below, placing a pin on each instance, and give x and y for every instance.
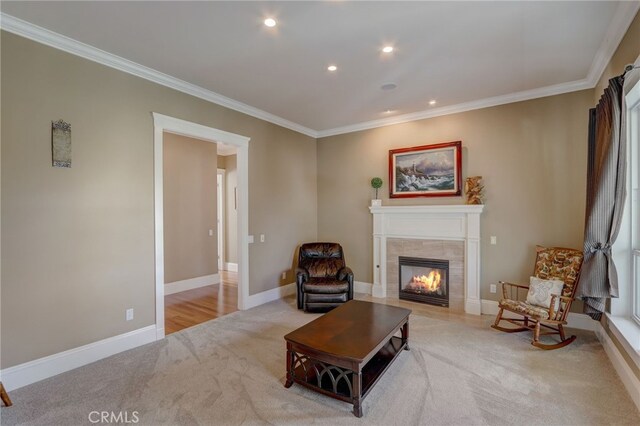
(464, 55)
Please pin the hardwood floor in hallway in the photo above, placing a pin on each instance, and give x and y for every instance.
(192, 307)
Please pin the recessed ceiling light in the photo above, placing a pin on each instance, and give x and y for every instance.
(432, 102)
(387, 49)
(332, 68)
(270, 22)
(388, 86)
(389, 111)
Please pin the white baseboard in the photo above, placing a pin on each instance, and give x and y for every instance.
(627, 333)
(43, 368)
(271, 295)
(489, 306)
(574, 320)
(376, 291)
(191, 283)
(473, 307)
(160, 332)
(631, 382)
(362, 287)
(233, 267)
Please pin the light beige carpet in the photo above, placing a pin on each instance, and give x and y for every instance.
(230, 371)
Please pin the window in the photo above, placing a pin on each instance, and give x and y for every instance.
(633, 133)
(624, 318)
(636, 285)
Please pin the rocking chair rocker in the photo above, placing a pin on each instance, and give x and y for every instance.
(551, 264)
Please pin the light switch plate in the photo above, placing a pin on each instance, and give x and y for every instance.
(250, 239)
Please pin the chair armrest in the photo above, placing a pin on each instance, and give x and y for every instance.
(504, 288)
(302, 275)
(345, 274)
(565, 303)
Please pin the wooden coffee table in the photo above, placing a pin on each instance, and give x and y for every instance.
(343, 353)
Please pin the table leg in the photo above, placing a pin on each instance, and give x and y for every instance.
(405, 335)
(357, 393)
(289, 381)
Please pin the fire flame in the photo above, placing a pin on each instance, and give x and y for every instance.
(429, 282)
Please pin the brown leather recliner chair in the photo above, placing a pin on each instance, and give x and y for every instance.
(323, 279)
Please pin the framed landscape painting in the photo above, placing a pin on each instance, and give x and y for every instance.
(426, 171)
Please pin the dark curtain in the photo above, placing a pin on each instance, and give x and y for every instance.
(606, 192)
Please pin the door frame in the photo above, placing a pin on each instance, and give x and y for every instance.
(221, 207)
(164, 123)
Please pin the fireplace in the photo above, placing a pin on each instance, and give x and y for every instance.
(424, 280)
(449, 232)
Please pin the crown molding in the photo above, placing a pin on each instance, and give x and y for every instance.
(542, 92)
(622, 19)
(42, 35)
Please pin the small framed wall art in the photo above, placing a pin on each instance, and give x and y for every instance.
(61, 143)
(426, 171)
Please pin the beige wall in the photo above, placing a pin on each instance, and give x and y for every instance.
(532, 156)
(78, 244)
(231, 212)
(190, 208)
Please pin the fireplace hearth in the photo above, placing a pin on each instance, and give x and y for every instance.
(424, 280)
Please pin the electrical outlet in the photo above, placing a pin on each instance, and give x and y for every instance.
(284, 275)
(494, 240)
(492, 288)
(211, 232)
(129, 314)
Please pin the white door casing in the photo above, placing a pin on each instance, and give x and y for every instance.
(220, 194)
(161, 124)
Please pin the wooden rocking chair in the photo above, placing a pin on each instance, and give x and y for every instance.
(551, 263)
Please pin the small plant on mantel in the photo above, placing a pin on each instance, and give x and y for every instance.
(376, 183)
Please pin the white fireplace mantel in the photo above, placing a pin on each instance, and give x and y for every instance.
(451, 222)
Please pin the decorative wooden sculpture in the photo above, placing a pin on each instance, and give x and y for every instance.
(473, 188)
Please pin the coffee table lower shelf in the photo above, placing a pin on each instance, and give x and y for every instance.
(338, 382)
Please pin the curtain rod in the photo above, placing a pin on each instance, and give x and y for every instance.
(629, 68)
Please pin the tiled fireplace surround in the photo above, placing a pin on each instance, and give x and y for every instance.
(453, 251)
(438, 232)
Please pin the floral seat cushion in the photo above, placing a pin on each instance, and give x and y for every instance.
(524, 308)
(559, 263)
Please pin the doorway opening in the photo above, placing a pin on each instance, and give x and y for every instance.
(197, 288)
(164, 125)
